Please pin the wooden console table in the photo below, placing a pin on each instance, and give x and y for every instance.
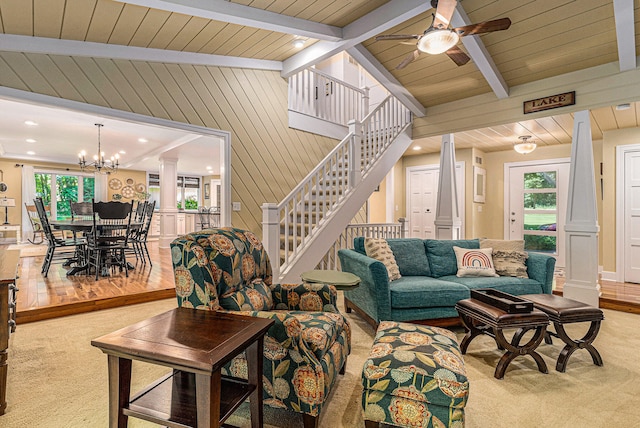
(9, 260)
(196, 344)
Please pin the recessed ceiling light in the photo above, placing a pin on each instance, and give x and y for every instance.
(122, 152)
(30, 152)
(625, 106)
(30, 123)
(143, 140)
(417, 147)
(298, 43)
(30, 140)
(209, 167)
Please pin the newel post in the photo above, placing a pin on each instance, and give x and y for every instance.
(271, 236)
(365, 102)
(355, 153)
(404, 227)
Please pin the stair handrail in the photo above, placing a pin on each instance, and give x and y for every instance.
(288, 225)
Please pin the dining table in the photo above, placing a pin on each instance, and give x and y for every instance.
(83, 226)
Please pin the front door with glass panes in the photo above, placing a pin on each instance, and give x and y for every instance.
(537, 199)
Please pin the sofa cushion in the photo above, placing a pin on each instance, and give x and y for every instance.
(410, 255)
(508, 284)
(442, 258)
(378, 249)
(474, 262)
(424, 292)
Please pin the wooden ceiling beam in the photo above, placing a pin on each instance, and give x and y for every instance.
(480, 56)
(45, 45)
(225, 11)
(381, 19)
(625, 32)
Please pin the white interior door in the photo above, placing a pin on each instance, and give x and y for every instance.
(632, 217)
(537, 206)
(422, 197)
(423, 189)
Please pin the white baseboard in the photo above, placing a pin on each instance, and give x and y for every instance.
(609, 276)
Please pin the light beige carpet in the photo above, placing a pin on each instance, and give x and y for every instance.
(57, 379)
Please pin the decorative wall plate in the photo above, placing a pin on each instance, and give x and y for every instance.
(128, 192)
(130, 181)
(140, 187)
(115, 184)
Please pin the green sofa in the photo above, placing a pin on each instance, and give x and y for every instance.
(429, 287)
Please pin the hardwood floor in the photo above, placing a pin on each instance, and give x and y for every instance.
(59, 295)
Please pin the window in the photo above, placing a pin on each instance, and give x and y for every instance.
(187, 192)
(59, 189)
(540, 211)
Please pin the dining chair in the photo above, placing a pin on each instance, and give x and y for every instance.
(109, 237)
(36, 226)
(54, 243)
(204, 219)
(81, 210)
(139, 237)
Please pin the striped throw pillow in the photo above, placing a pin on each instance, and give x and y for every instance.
(378, 249)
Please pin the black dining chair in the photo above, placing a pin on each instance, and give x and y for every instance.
(204, 218)
(109, 237)
(139, 237)
(54, 243)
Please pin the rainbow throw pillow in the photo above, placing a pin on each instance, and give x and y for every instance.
(474, 262)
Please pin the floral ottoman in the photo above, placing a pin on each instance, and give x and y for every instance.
(414, 377)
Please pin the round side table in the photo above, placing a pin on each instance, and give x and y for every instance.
(340, 280)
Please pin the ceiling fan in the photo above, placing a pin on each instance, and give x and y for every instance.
(439, 38)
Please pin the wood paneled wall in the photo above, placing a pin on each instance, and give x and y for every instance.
(268, 158)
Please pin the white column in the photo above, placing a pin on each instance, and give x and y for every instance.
(581, 227)
(447, 220)
(100, 190)
(168, 211)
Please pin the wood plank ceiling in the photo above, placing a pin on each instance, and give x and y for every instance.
(546, 38)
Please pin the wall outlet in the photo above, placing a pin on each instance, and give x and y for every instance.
(236, 206)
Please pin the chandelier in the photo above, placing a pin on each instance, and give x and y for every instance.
(99, 164)
(524, 146)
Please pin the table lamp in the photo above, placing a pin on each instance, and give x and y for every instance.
(6, 203)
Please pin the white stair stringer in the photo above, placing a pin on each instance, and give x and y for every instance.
(336, 220)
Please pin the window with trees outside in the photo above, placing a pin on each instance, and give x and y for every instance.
(540, 211)
(59, 189)
(187, 192)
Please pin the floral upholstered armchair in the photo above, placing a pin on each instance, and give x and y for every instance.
(227, 269)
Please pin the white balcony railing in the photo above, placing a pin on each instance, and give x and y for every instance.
(319, 95)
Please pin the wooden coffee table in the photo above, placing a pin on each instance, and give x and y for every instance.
(482, 318)
(196, 344)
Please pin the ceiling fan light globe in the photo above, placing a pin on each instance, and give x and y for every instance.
(438, 41)
(524, 148)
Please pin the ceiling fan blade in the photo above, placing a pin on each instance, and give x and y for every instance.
(484, 27)
(458, 56)
(444, 12)
(398, 36)
(408, 60)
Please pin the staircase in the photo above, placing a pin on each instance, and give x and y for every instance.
(298, 231)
